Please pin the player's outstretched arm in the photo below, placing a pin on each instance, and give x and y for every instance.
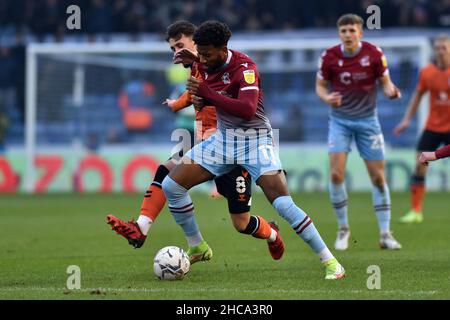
(333, 99)
(177, 104)
(441, 153)
(410, 112)
(425, 157)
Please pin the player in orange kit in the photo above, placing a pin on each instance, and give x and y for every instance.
(434, 78)
(235, 185)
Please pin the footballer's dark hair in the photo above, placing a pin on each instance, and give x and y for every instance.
(350, 18)
(212, 32)
(177, 29)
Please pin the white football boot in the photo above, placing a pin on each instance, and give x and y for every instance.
(387, 241)
(342, 239)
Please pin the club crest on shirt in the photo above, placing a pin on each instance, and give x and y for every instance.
(364, 61)
(384, 61)
(206, 76)
(226, 78)
(340, 63)
(249, 76)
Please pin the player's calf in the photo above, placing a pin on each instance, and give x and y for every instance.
(259, 228)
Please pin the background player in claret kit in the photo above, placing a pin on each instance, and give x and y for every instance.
(235, 185)
(352, 69)
(434, 78)
(441, 153)
(231, 83)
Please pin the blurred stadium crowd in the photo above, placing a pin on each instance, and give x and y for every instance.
(24, 21)
(41, 17)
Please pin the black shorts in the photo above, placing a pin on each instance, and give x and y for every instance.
(236, 186)
(430, 140)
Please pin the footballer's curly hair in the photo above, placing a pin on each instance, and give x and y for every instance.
(177, 29)
(212, 32)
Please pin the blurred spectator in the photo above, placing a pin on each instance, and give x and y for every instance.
(4, 124)
(18, 77)
(43, 17)
(135, 100)
(8, 68)
(99, 17)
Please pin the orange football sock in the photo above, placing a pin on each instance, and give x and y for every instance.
(153, 203)
(264, 230)
(417, 195)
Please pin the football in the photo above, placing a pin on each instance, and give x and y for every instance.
(171, 263)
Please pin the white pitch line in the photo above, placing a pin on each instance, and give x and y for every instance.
(178, 290)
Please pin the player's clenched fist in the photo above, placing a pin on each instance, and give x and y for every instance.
(334, 99)
(193, 85)
(197, 102)
(427, 156)
(392, 92)
(185, 56)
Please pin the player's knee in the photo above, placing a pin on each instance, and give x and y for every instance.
(337, 177)
(283, 204)
(171, 188)
(378, 181)
(420, 170)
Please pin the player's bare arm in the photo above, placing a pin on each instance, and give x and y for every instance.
(177, 104)
(425, 157)
(333, 99)
(441, 153)
(410, 112)
(389, 88)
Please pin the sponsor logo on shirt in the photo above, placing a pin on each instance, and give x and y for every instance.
(249, 76)
(443, 96)
(384, 61)
(345, 78)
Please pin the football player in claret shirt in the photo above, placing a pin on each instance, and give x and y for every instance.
(434, 78)
(230, 82)
(235, 185)
(347, 81)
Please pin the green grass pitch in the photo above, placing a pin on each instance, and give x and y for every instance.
(41, 235)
